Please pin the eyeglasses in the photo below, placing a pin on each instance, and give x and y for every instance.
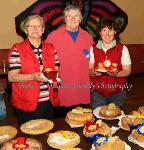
(34, 27)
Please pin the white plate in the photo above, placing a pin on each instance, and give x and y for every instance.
(131, 139)
(96, 113)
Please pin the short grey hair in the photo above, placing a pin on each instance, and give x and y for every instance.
(25, 22)
(72, 7)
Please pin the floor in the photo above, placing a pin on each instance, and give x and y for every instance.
(134, 89)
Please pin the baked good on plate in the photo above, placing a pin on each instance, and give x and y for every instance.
(139, 113)
(138, 133)
(79, 116)
(22, 143)
(110, 111)
(37, 126)
(130, 119)
(63, 139)
(110, 143)
(7, 133)
(98, 127)
(49, 73)
(107, 65)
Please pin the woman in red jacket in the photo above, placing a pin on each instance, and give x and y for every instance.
(110, 64)
(30, 91)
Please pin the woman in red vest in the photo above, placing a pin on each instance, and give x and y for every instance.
(110, 64)
(31, 92)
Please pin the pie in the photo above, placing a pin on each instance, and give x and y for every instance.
(98, 127)
(138, 133)
(111, 143)
(7, 133)
(79, 116)
(110, 111)
(63, 139)
(37, 126)
(22, 143)
(130, 119)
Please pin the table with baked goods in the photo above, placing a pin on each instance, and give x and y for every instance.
(60, 124)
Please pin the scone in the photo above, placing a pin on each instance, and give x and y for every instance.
(130, 119)
(98, 127)
(138, 133)
(110, 111)
(112, 143)
(63, 139)
(22, 143)
(79, 116)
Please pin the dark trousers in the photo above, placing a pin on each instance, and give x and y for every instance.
(44, 110)
(62, 111)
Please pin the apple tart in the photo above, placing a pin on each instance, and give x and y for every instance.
(63, 139)
(37, 126)
(7, 133)
(22, 143)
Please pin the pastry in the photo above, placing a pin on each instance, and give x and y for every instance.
(22, 143)
(138, 133)
(7, 133)
(63, 139)
(49, 73)
(139, 113)
(95, 128)
(110, 111)
(37, 126)
(110, 143)
(101, 68)
(79, 116)
(107, 65)
(130, 119)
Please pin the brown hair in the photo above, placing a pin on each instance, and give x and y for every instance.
(110, 24)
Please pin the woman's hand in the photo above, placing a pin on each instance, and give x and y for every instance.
(113, 74)
(95, 73)
(39, 77)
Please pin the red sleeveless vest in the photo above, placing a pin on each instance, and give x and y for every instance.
(25, 94)
(105, 84)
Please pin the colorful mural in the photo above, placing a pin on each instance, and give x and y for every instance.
(92, 10)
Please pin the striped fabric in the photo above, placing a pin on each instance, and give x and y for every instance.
(15, 63)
